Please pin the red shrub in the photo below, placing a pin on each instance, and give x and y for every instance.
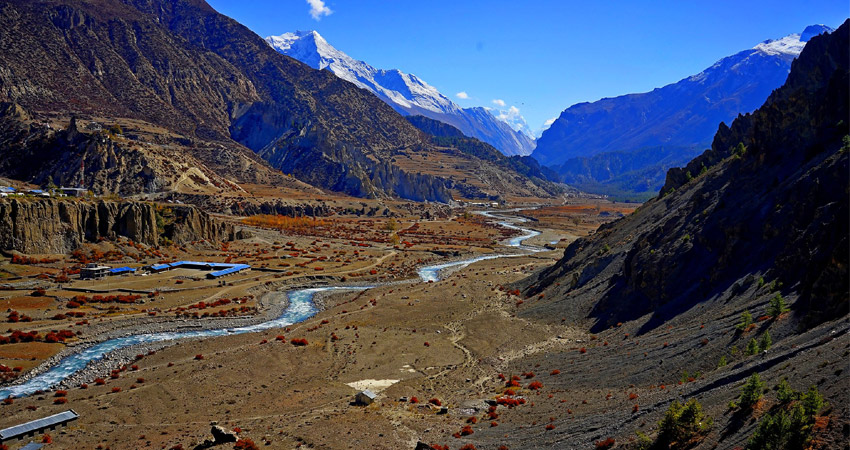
(60, 401)
(555, 372)
(550, 427)
(299, 342)
(245, 444)
(60, 393)
(199, 357)
(116, 389)
(535, 385)
(414, 400)
(632, 396)
(582, 350)
(466, 430)
(435, 402)
(468, 447)
(99, 381)
(607, 443)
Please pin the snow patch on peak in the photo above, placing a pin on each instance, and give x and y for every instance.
(786, 48)
(407, 93)
(404, 90)
(789, 45)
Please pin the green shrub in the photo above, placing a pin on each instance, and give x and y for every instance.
(765, 342)
(777, 306)
(722, 362)
(780, 430)
(784, 393)
(788, 429)
(740, 150)
(752, 391)
(746, 320)
(812, 401)
(682, 425)
(752, 347)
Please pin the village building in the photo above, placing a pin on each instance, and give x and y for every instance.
(38, 426)
(93, 272)
(73, 192)
(365, 397)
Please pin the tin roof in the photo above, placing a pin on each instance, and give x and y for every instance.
(38, 424)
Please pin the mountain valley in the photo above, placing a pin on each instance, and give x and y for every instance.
(212, 240)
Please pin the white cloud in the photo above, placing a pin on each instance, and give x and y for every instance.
(318, 9)
(512, 117)
(499, 102)
(462, 95)
(509, 115)
(549, 122)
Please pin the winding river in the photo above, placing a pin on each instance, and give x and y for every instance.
(300, 308)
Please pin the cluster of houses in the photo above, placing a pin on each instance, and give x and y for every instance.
(6, 191)
(216, 270)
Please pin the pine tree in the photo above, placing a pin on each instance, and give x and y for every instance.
(784, 393)
(746, 320)
(752, 347)
(752, 391)
(777, 306)
(765, 341)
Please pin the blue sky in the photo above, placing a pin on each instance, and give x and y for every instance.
(539, 56)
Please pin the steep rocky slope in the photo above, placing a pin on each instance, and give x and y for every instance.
(209, 81)
(665, 288)
(761, 211)
(57, 226)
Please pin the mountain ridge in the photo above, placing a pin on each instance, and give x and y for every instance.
(406, 93)
(203, 78)
(684, 114)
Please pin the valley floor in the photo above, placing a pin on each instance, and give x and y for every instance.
(456, 342)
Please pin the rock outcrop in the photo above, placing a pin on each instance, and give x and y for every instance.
(59, 226)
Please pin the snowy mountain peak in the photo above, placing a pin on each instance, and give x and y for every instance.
(789, 45)
(786, 49)
(406, 93)
(792, 44)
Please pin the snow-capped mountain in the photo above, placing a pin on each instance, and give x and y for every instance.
(407, 93)
(684, 114)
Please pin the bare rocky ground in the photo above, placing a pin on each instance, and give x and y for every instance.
(449, 341)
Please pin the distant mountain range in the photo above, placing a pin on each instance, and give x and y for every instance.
(407, 93)
(205, 105)
(664, 127)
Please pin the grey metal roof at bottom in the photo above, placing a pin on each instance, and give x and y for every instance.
(38, 424)
(32, 446)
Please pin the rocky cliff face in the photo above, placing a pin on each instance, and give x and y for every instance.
(183, 69)
(58, 226)
(774, 207)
